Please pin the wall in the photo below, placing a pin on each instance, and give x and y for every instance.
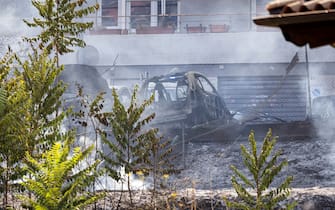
(202, 48)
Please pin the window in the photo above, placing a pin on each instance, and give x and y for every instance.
(167, 10)
(109, 12)
(140, 14)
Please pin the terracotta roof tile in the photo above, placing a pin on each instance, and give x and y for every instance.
(276, 6)
(292, 6)
(302, 22)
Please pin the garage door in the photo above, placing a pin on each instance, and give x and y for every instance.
(273, 96)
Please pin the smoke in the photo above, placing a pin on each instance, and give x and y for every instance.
(12, 15)
(12, 27)
(323, 99)
(8, 20)
(8, 33)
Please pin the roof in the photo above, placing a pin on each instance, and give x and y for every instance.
(302, 22)
(294, 6)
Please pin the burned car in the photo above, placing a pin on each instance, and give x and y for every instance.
(186, 101)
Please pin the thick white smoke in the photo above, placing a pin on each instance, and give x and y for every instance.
(12, 27)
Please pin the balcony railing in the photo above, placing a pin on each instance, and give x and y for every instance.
(177, 24)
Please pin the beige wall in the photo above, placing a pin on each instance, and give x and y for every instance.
(202, 48)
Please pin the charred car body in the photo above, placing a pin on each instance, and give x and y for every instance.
(186, 101)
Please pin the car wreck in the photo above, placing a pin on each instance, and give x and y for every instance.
(187, 104)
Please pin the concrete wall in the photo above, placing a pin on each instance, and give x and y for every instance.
(202, 48)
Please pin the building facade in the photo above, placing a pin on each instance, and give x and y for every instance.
(175, 32)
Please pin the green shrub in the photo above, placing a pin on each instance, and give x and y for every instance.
(135, 145)
(264, 169)
(56, 182)
(60, 28)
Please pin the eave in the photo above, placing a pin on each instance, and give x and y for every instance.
(316, 28)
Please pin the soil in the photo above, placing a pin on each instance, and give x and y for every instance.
(205, 178)
(311, 162)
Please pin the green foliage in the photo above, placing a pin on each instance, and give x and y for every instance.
(159, 162)
(134, 146)
(129, 149)
(39, 74)
(159, 159)
(264, 169)
(58, 21)
(57, 181)
(3, 100)
(30, 95)
(13, 124)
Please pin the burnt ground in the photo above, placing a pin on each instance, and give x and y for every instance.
(311, 163)
(205, 179)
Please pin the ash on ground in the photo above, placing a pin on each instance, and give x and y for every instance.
(207, 165)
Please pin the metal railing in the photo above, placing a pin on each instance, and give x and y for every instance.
(173, 23)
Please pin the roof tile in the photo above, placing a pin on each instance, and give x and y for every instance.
(302, 22)
(292, 6)
(276, 6)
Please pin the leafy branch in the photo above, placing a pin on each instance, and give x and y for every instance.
(264, 169)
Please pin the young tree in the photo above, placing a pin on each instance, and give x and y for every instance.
(56, 182)
(159, 163)
(28, 121)
(39, 74)
(59, 24)
(13, 124)
(31, 95)
(264, 170)
(135, 146)
(128, 147)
